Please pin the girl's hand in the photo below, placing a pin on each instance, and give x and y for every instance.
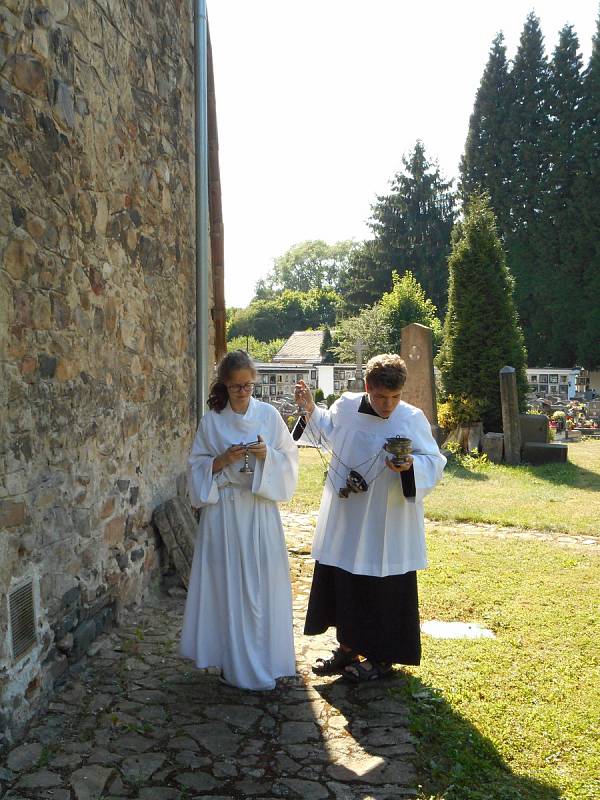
(230, 456)
(404, 467)
(258, 449)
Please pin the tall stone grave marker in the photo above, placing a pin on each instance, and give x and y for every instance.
(416, 348)
(510, 415)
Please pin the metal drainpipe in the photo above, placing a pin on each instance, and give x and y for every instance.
(202, 214)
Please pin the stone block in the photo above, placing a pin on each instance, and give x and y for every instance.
(72, 597)
(176, 525)
(539, 453)
(83, 636)
(11, 514)
(534, 428)
(492, 444)
(114, 531)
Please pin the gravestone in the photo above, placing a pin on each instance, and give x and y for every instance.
(416, 348)
(540, 453)
(534, 428)
(492, 444)
(510, 415)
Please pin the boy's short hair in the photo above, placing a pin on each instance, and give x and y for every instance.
(386, 370)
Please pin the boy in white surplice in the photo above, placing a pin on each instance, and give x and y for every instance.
(238, 613)
(370, 535)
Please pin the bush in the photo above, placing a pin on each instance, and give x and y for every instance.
(330, 400)
(461, 410)
(319, 395)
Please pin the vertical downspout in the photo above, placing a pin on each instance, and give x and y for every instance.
(217, 254)
(202, 227)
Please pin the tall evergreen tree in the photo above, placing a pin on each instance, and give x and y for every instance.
(586, 322)
(481, 330)
(527, 128)
(487, 161)
(411, 227)
(560, 214)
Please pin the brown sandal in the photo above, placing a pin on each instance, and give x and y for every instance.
(335, 665)
(359, 673)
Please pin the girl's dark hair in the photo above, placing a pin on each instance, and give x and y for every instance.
(218, 396)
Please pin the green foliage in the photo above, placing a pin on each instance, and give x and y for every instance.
(406, 303)
(533, 145)
(481, 329)
(411, 227)
(319, 395)
(259, 351)
(330, 400)
(461, 410)
(284, 313)
(327, 353)
(487, 160)
(372, 326)
(309, 265)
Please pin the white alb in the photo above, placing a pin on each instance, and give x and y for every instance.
(238, 613)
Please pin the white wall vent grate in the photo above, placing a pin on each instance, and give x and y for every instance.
(22, 619)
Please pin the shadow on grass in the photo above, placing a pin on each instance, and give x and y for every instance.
(458, 471)
(568, 474)
(454, 760)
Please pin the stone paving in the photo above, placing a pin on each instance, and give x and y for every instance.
(135, 720)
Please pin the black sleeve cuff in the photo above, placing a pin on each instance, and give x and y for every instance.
(299, 428)
(409, 488)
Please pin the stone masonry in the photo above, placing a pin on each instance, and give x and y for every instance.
(97, 315)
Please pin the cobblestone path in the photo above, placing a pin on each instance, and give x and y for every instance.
(138, 721)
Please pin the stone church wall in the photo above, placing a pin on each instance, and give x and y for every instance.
(97, 315)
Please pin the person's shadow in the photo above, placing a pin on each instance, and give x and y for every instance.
(407, 732)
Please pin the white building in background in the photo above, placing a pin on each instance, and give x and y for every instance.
(300, 358)
(561, 382)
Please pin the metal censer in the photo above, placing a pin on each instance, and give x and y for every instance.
(399, 448)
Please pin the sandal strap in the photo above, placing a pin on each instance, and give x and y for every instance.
(336, 662)
(363, 675)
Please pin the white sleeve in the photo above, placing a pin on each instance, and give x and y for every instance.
(428, 462)
(202, 482)
(276, 477)
(319, 426)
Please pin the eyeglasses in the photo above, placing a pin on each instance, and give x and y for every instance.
(240, 387)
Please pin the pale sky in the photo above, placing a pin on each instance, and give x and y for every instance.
(318, 100)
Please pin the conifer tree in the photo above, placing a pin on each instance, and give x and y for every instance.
(481, 329)
(585, 322)
(487, 161)
(411, 227)
(528, 126)
(560, 215)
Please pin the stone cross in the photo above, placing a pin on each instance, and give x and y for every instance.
(359, 349)
(358, 384)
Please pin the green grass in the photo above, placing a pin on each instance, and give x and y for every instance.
(517, 716)
(559, 497)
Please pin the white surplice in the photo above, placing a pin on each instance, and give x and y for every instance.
(379, 532)
(238, 613)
